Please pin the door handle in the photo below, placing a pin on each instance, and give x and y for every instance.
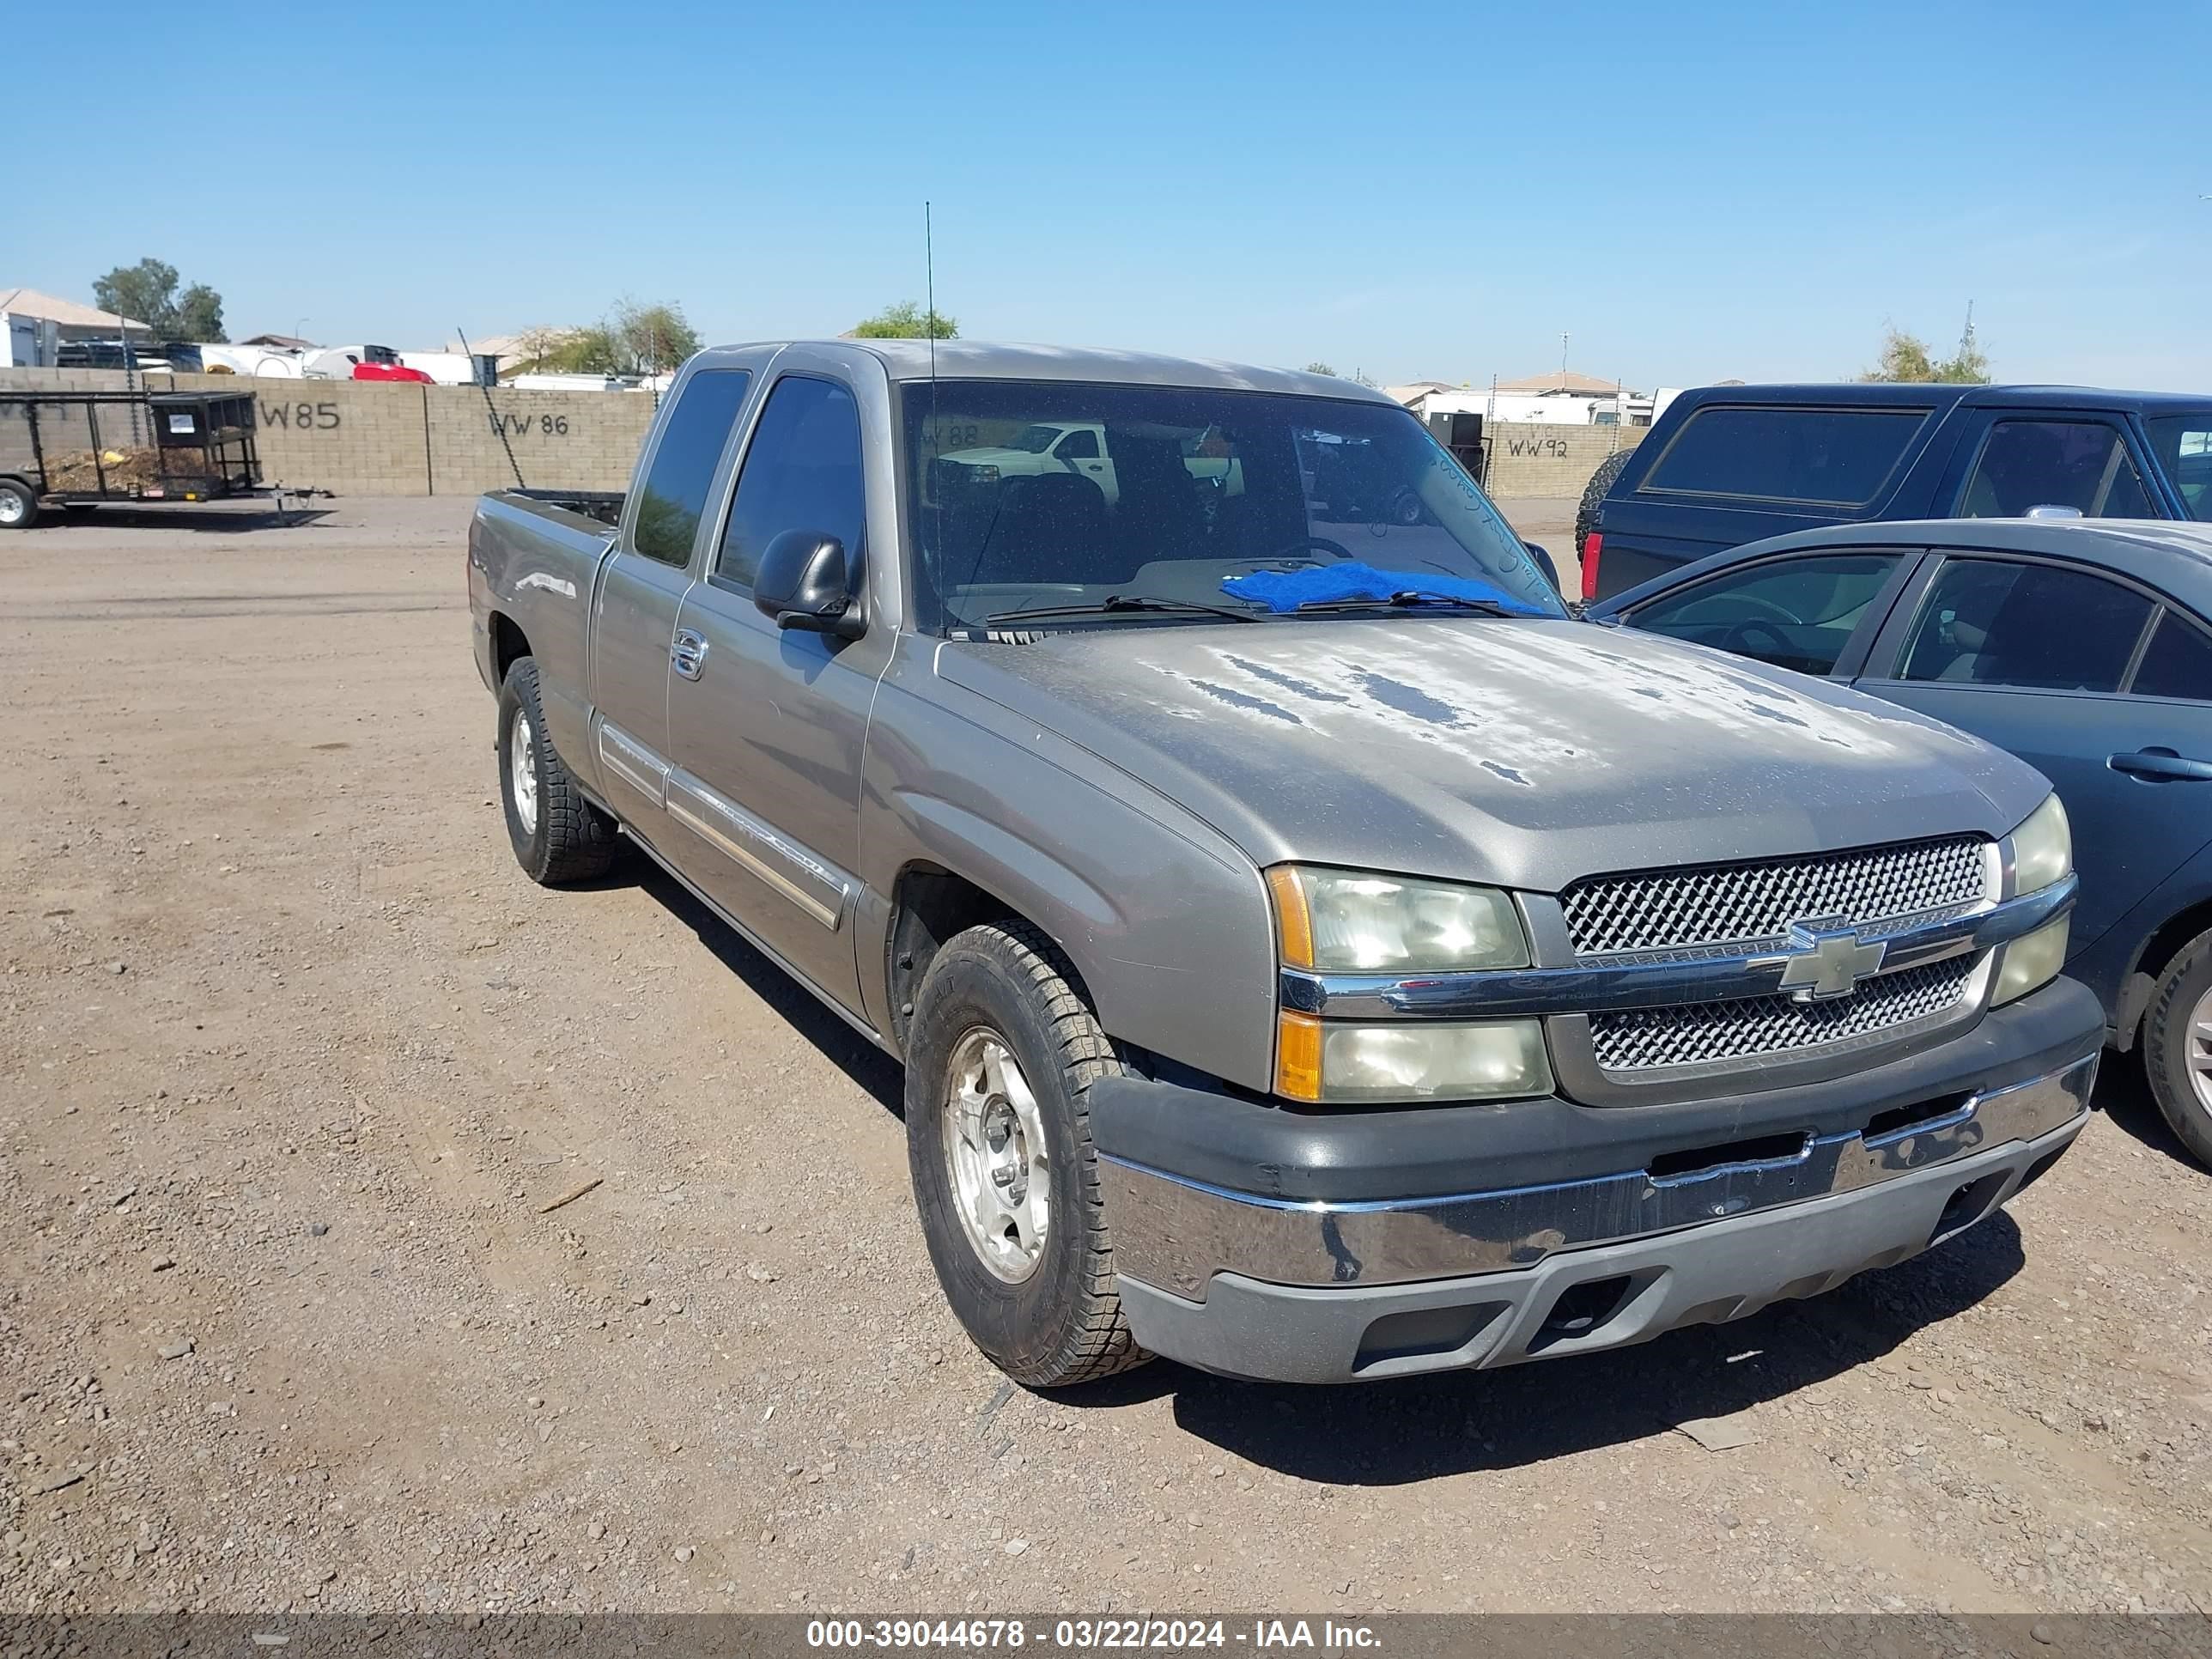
(2161, 766)
(688, 655)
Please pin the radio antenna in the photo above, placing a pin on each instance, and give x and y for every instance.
(929, 284)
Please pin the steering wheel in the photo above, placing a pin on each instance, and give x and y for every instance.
(1738, 639)
(1729, 606)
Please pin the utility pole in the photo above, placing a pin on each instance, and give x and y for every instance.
(1563, 361)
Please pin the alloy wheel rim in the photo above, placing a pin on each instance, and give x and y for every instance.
(522, 772)
(2198, 1051)
(996, 1156)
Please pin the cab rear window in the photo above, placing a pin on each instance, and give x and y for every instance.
(1829, 457)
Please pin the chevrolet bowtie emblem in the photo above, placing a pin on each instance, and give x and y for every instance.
(1826, 959)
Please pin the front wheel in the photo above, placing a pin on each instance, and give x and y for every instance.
(19, 505)
(1000, 1054)
(557, 835)
(2176, 1045)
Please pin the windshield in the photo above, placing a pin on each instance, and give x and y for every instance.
(1251, 501)
(2184, 443)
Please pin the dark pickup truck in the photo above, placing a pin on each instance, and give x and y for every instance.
(1727, 465)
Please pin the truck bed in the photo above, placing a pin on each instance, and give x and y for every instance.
(603, 505)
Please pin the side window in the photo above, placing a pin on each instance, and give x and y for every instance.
(1988, 622)
(2183, 443)
(2083, 465)
(674, 494)
(802, 472)
(1837, 457)
(1794, 612)
(1078, 447)
(2179, 663)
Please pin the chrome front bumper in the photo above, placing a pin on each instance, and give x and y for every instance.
(1176, 1234)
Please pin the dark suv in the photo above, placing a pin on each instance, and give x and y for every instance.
(1729, 465)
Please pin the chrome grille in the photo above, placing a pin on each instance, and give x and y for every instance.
(1755, 903)
(1701, 1033)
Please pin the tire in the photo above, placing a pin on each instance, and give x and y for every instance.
(1056, 1319)
(1594, 493)
(19, 505)
(558, 835)
(2176, 1045)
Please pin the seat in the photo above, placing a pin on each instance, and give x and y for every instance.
(1162, 515)
(1050, 528)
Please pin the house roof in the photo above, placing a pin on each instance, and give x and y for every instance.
(517, 344)
(29, 302)
(288, 342)
(1560, 380)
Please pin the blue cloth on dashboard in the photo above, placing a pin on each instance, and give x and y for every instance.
(1286, 590)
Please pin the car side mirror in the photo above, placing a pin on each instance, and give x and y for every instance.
(807, 581)
(1543, 559)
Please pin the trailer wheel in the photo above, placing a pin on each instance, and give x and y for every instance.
(19, 505)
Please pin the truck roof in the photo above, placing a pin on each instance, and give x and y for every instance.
(1944, 396)
(979, 359)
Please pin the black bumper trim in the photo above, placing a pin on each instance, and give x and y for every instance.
(1346, 1156)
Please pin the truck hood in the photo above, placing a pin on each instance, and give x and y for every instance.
(1001, 457)
(1524, 753)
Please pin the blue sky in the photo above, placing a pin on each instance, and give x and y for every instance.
(1693, 191)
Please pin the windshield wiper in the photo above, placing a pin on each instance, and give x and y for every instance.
(1119, 603)
(1409, 599)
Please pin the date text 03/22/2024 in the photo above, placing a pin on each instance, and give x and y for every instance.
(1324, 1636)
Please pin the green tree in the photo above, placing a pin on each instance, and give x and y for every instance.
(906, 321)
(1906, 359)
(199, 315)
(1321, 369)
(147, 292)
(652, 338)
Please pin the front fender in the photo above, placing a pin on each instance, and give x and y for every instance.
(1167, 923)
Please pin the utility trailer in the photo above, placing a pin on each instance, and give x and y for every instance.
(78, 449)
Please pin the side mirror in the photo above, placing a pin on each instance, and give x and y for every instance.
(805, 581)
(1543, 559)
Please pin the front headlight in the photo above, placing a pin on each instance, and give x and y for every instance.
(1320, 1060)
(2030, 962)
(1352, 921)
(2042, 848)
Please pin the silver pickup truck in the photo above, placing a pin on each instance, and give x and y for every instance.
(1313, 954)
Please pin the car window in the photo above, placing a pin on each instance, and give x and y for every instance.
(1079, 447)
(1837, 456)
(675, 491)
(1210, 498)
(2183, 443)
(1988, 622)
(802, 472)
(1794, 612)
(2083, 465)
(2179, 663)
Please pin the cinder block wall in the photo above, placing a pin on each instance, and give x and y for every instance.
(380, 438)
(376, 438)
(1552, 460)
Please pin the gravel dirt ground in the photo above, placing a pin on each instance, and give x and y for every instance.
(295, 1064)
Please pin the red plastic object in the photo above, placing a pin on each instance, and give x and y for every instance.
(391, 371)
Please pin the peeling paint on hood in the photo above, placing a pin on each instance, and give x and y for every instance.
(1523, 752)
